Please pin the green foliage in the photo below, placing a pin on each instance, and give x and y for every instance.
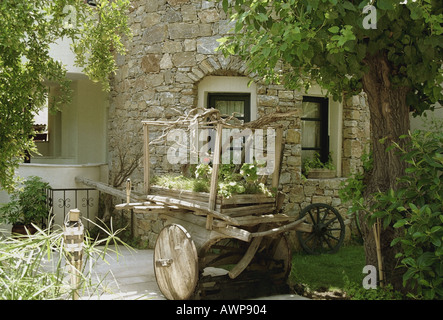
(326, 270)
(28, 203)
(203, 171)
(416, 210)
(122, 223)
(297, 42)
(301, 42)
(107, 24)
(352, 190)
(329, 272)
(174, 182)
(230, 180)
(246, 180)
(33, 267)
(355, 291)
(27, 31)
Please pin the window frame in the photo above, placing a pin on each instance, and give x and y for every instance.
(323, 150)
(232, 96)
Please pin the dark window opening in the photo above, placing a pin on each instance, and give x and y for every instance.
(315, 138)
(238, 104)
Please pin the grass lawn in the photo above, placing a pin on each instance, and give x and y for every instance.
(326, 271)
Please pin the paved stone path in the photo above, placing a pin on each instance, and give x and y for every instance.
(130, 276)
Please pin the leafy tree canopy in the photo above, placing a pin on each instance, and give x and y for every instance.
(27, 30)
(330, 42)
(390, 49)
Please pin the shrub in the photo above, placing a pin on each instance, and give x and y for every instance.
(416, 211)
(355, 291)
(33, 267)
(28, 203)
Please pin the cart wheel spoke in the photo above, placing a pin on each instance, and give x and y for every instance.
(331, 221)
(328, 229)
(331, 236)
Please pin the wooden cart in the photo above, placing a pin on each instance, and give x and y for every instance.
(244, 233)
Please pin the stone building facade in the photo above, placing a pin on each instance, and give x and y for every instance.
(170, 67)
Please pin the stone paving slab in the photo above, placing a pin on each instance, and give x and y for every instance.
(130, 276)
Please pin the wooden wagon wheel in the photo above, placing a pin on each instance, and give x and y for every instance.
(175, 263)
(224, 252)
(328, 229)
(266, 274)
(273, 255)
(278, 256)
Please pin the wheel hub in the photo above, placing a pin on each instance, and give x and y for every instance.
(320, 228)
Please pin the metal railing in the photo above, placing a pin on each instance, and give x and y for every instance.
(60, 201)
(63, 200)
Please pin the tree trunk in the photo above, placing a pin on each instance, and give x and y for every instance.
(389, 120)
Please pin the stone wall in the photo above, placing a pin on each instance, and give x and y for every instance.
(172, 50)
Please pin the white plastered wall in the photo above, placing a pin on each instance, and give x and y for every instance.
(420, 122)
(77, 133)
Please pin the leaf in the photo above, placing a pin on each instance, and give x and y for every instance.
(393, 243)
(385, 4)
(436, 242)
(334, 29)
(400, 223)
(413, 207)
(435, 229)
(410, 170)
(416, 12)
(262, 17)
(418, 234)
(439, 157)
(387, 221)
(349, 6)
(426, 259)
(409, 262)
(423, 282)
(225, 5)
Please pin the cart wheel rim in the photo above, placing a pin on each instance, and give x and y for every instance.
(175, 263)
(328, 229)
(281, 251)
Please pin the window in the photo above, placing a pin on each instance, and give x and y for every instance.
(315, 137)
(41, 125)
(230, 103)
(237, 104)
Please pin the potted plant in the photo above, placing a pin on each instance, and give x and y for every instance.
(27, 206)
(316, 169)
